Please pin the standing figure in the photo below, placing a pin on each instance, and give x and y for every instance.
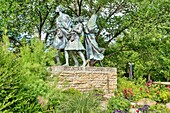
(74, 44)
(93, 52)
(64, 25)
(60, 41)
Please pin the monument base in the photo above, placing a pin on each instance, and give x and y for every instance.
(85, 78)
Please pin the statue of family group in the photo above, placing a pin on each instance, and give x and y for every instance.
(68, 38)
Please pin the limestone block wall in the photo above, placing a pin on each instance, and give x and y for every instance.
(86, 78)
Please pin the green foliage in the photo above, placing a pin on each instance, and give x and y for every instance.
(8, 77)
(130, 89)
(136, 90)
(22, 76)
(141, 34)
(118, 103)
(157, 92)
(159, 108)
(71, 91)
(144, 43)
(24, 87)
(84, 103)
(22, 16)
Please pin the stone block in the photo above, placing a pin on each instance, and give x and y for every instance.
(86, 78)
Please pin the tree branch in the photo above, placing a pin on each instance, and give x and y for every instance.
(90, 6)
(79, 6)
(39, 28)
(115, 35)
(45, 17)
(68, 6)
(72, 10)
(15, 40)
(75, 6)
(117, 8)
(39, 14)
(42, 20)
(52, 24)
(109, 55)
(98, 9)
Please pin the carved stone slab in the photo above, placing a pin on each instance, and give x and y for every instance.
(85, 78)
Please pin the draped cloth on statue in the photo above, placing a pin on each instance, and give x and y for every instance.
(75, 42)
(60, 40)
(64, 26)
(93, 51)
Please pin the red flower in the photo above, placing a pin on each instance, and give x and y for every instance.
(137, 111)
(140, 89)
(128, 93)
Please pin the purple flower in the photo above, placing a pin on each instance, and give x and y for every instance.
(119, 111)
(140, 109)
(146, 105)
(144, 108)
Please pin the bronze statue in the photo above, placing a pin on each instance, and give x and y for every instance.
(68, 38)
(93, 51)
(74, 44)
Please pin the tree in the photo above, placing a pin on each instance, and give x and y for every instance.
(146, 41)
(130, 30)
(27, 17)
(32, 16)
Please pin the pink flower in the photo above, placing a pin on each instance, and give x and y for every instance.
(146, 84)
(149, 83)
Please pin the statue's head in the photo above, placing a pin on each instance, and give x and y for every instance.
(59, 9)
(79, 19)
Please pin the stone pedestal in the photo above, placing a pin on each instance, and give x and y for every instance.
(85, 78)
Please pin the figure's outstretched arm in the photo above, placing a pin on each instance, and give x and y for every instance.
(52, 30)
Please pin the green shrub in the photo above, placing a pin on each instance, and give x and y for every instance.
(71, 92)
(84, 103)
(138, 89)
(22, 76)
(130, 90)
(118, 103)
(158, 92)
(9, 78)
(159, 108)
